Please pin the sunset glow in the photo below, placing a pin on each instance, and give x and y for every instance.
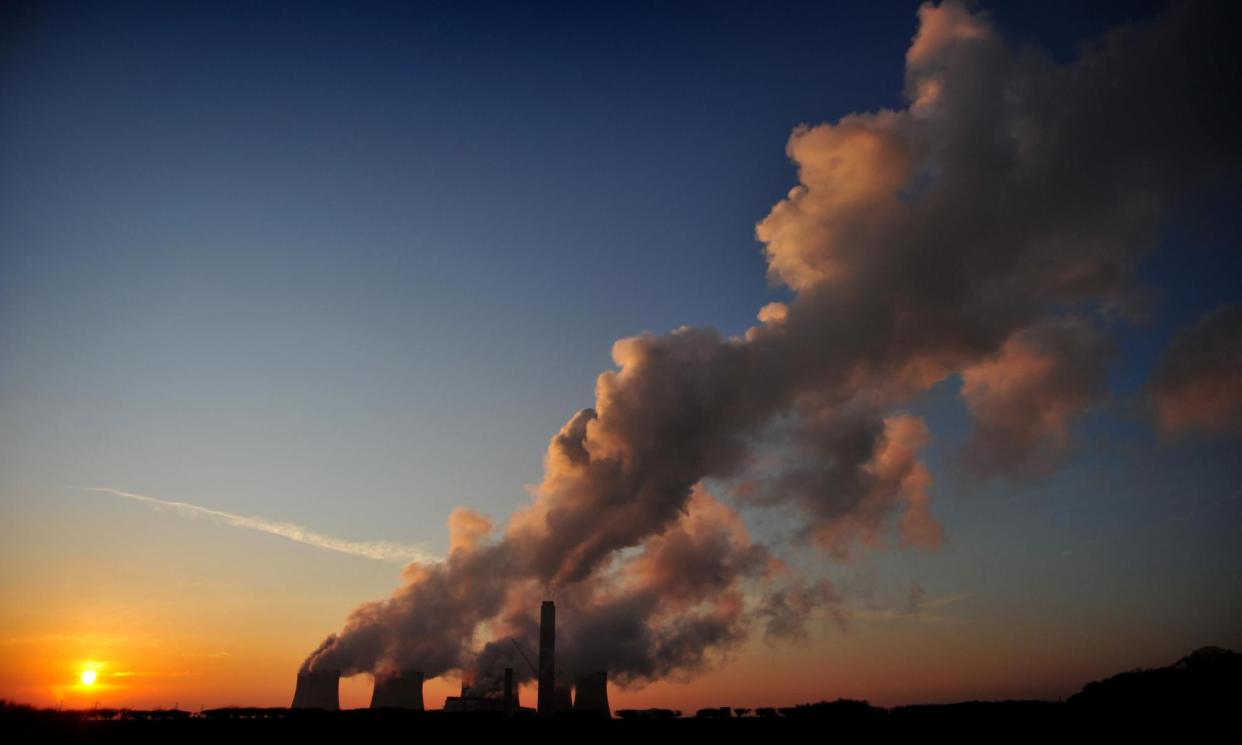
(794, 351)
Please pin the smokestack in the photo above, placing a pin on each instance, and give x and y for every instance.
(317, 690)
(547, 653)
(398, 690)
(592, 694)
(510, 704)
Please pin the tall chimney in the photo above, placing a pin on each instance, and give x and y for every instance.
(592, 694)
(547, 653)
(398, 690)
(317, 690)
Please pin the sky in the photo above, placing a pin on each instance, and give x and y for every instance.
(283, 285)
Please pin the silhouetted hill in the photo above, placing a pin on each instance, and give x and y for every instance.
(1206, 683)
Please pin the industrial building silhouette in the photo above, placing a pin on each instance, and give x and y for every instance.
(399, 690)
(547, 658)
(403, 689)
(318, 689)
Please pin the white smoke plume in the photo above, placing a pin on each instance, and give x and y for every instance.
(986, 230)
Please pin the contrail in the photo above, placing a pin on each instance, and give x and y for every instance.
(378, 550)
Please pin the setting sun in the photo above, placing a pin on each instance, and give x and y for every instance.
(88, 677)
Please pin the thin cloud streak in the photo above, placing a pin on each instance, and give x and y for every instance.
(917, 614)
(390, 551)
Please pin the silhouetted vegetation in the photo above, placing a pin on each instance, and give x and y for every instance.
(1206, 681)
(842, 710)
(722, 712)
(649, 713)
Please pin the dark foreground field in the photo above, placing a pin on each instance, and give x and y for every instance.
(994, 721)
(1201, 694)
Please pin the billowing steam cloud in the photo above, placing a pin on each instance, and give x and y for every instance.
(984, 230)
(1198, 385)
(1025, 398)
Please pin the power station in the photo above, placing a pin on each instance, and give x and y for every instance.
(403, 689)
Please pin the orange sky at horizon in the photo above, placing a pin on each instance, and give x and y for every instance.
(875, 661)
(194, 615)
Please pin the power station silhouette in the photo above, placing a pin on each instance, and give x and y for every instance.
(319, 689)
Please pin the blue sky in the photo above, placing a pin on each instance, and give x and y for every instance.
(351, 266)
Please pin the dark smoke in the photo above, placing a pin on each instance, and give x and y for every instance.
(987, 230)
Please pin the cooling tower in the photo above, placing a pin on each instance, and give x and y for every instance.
(547, 654)
(317, 690)
(399, 690)
(592, 694)
(562, 699)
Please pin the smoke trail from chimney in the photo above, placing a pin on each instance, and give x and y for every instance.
(986, 229)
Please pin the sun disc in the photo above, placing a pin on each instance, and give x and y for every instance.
(88, 677)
